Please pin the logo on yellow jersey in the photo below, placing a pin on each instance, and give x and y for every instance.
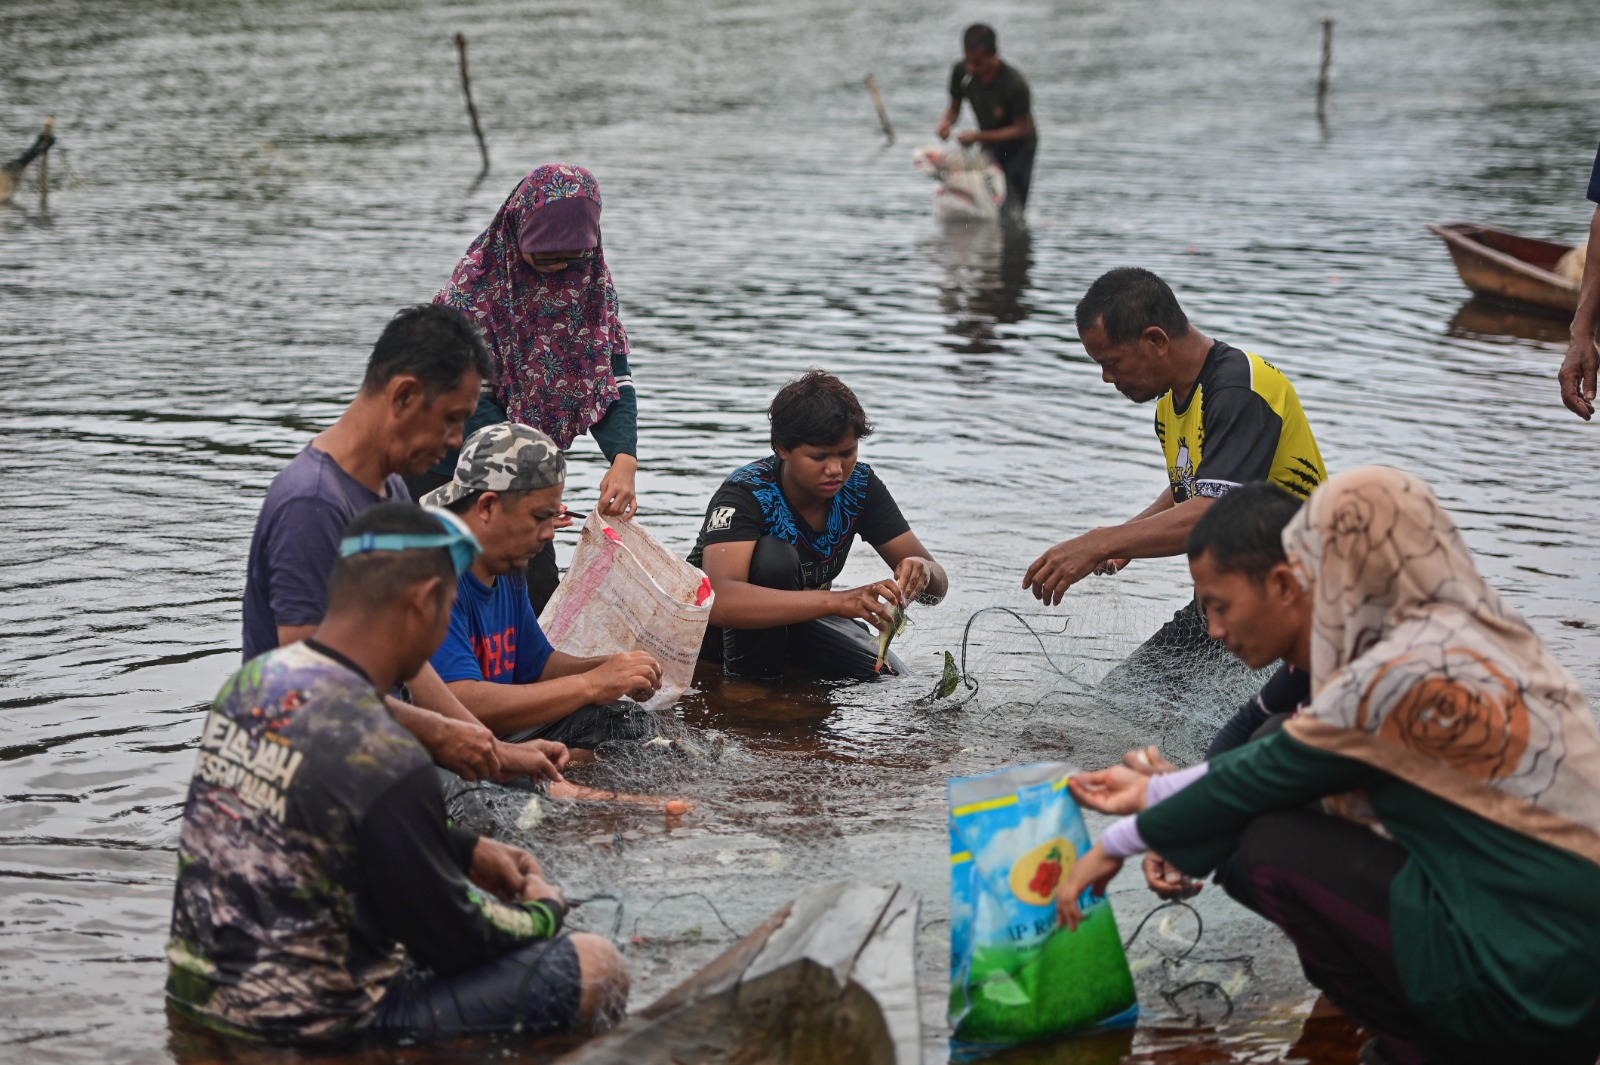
(1182, 471)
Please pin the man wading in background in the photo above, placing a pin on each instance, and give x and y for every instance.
(421, 383)
(507, 491)
(1002, 104)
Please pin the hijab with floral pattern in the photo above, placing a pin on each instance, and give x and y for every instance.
(1420, 669)
(553, 335)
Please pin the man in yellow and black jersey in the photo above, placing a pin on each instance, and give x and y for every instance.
(1224, 417)
(1243, 420)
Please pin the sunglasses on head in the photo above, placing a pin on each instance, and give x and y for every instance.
(457, 538)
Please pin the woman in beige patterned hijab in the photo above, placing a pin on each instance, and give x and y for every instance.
(1420, 669)
(1446, 892)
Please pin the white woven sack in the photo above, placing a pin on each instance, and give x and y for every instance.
(625, 592)
(971, 187)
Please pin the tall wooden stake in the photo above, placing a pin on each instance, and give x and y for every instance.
(44, 164)
(472, 108)
(883, 112)
(1322, 77)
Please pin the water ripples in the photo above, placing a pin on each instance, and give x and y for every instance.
(252, 192)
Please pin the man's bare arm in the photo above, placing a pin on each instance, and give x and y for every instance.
(1159, 531)
(1155, 533)
(948, 119)
(288, 634)
(507, 708)
(1577, 374)
(1022, 127)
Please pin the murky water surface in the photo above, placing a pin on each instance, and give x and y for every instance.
(250, 193)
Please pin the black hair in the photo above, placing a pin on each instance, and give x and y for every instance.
(378, 578)
(431, 342)
(1243, 531)
(979, 37)
(464, 505)
(816, 409)
(1127, 301)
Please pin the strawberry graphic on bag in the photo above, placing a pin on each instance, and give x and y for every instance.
(1048, 875)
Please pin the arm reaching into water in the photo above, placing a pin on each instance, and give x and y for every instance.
(418, 870)
(1161, 530)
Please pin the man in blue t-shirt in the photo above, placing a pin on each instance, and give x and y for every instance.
(495, 658)
(1577, 375)
(421, 383)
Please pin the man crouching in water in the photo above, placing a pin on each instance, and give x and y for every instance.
(778, 532)
(1254, 605)
(315, 842)
(507, 491)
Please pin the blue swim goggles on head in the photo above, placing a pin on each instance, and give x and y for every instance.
(463, 546)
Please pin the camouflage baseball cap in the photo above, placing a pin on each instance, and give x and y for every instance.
(502, 458)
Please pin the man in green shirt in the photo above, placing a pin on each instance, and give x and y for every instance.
(1003, 106)
(1462, 930)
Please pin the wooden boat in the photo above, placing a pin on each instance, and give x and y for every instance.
(829, 979)
(1505, 266)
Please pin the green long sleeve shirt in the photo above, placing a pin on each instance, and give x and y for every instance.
(1496, 935)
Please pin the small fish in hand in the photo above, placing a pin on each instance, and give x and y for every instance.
(897, 621)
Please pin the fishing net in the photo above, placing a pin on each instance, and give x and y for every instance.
(814, 782)
(1108, 672)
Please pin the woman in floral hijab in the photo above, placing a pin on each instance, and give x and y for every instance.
(1446, 893)
(537, 285)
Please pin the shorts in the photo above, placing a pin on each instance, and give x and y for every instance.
(532, 991)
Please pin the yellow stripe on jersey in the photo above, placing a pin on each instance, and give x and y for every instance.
(1296, 462)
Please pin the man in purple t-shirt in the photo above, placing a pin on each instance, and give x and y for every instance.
(1577, 375)
(421, 383)
(495, 658)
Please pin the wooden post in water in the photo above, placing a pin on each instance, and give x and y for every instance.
(883, 112)
(472, 108)
(11, 171)
(44, 162)
(1322, 76)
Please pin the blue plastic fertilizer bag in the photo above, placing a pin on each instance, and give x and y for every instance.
(1014, 976)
